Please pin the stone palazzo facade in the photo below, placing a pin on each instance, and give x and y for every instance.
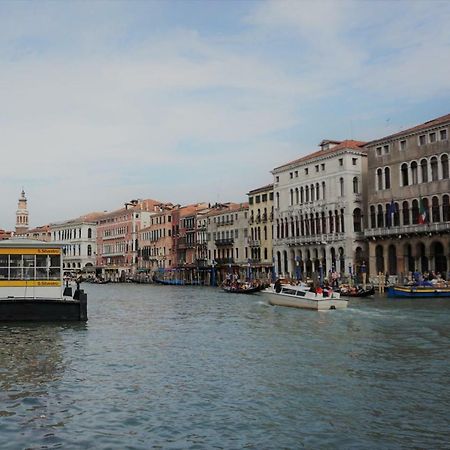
(318, 211)
(408, 210)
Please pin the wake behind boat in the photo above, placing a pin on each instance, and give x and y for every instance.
(301, 297)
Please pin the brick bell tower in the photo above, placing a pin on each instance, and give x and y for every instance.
(22, 215)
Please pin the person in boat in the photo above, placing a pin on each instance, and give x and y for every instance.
(277, 285)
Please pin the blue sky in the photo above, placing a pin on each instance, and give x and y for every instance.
(189, 101)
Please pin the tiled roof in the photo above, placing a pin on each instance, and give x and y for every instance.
(423, 126)
(261, 189)
(347, 144)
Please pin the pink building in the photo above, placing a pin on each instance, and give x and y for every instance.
(117, 238)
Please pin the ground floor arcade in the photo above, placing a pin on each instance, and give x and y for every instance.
(403, 255)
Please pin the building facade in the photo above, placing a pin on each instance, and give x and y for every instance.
(260, 232)
(79, 240)
(227, 236)
(156, 241)
(318, 211)
(409, 208)
(117, 239)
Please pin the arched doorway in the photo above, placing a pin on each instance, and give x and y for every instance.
(421, 257)
(409, 260)
(392, 260)
(341, 260)
(379, 258)
(285, 261)
(440, 260)
(278, 264)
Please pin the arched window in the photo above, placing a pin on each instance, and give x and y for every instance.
(355, 185)
(312, 193)
(296, 196)
(415, 212)
(341, 186)
(435, 212)
(444, 165)
(317, 192)
(434, 169)
(380, 217)
(292, 196)
(396, 215)
(404, 172)
(373, 223)
(89, 233)
(302, 195)
(324, 223)
(387, 178)
(323, 190)
(405, 210)
(357, 220)
(424, 170)
(331, 221)
(414, 173)
(379, 179)
(446, 208)
(307, 193)
(278, 199)
(89, 250)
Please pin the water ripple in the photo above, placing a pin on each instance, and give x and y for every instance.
(171, 368)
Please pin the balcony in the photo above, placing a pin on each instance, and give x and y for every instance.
(254, 243)
(406, 230)
(116, 236)
(228, 222)
(313, 239)
(224, 242)
(225, 261)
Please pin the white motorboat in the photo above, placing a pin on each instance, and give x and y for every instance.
(298, 297)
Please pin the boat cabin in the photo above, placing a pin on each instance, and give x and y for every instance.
(30, 269)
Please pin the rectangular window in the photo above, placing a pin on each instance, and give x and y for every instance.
(386, 149)
(296, 174)
(277, 179)
(258, 199)
(402, 145)
(341, 162)
(291, 175)
(354, 160)
(250, 200)
(378, 151)
(432, 137)
(306, 171)
(322, 166)
(443, 135)
(264, 197)
(271, 196)
(422, 139)
(317, 168)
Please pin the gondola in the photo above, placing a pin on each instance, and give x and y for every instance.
(242, 289)
(358, 291)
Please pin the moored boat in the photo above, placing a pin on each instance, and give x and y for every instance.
(418, 291)
(31, 284)
(298, 297)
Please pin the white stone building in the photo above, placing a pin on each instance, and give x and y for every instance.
(79, 239)
(318, 211)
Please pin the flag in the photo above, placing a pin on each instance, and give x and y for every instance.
(391, 212)
(422, 212)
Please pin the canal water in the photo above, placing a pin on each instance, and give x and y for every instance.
(193, 367)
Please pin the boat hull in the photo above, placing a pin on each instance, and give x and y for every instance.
(43, 309)
(418, 292)
(318, 304)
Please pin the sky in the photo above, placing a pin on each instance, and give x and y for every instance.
(197, 101)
